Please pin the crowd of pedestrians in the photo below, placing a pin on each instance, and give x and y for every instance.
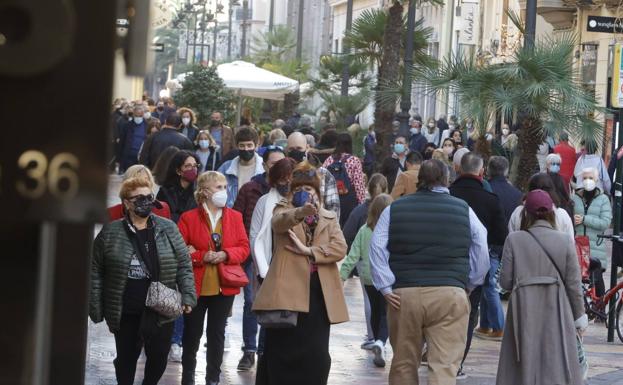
(434, 236)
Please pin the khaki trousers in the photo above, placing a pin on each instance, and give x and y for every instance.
(438, 315)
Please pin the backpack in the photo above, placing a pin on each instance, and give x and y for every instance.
(342, 180)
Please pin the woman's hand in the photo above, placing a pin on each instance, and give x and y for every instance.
(299, 247)
(307, 210)
(578, 219)
(187, 309)
(191, 249)
(393, 300)
(216, 257)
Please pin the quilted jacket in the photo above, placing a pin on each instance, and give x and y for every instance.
(112, 252)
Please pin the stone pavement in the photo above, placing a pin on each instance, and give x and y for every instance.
(350, 364)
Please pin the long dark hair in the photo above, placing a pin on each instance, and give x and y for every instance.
(563, 193)
(176, 163)
(344, 144)
(161, 167)
(543, 181)
(528, 219)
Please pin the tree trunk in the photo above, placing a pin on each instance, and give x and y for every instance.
(483, 147)
(530, 137)
(390, 65)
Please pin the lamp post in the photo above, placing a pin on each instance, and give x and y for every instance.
(271, 21)
(232, 3)
(299, 31)
(245, 15)
(405, 103)
(346, 48)
(530, 24)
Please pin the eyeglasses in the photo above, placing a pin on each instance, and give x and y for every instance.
(273, 147)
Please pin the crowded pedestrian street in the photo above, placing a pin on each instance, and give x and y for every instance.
(311, 192)
(349, 363)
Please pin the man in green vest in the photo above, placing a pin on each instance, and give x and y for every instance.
(425, 275)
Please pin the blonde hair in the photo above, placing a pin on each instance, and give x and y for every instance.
(440, 155)
(132, 184)
(139, 171)
(377, 206)
(205, 133)
(207, 178)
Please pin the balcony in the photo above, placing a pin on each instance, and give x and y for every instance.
(559, 13)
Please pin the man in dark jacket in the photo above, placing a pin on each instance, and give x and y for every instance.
(168, 136)
(417, 141)
(131, 138)
(245, 203)
(487, 206)
(509, 195)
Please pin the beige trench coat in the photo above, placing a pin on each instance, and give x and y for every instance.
(539, 343)
(286, 286)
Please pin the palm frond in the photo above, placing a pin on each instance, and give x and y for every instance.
(516, 20)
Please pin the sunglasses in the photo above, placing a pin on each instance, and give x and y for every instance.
(309, 173)
(141, 197)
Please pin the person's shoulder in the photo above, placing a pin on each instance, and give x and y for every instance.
(166, 223)
(235, 214)
(327, 214)
(189, 215)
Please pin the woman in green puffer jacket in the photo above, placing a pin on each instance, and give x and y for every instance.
(593, 215)
(121, 275)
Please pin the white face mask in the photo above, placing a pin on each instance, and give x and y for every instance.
(219, 198)
(589, 184)
(431, 125)
(138, 120)
(415, 130)
(147, 115)
(505, 131)
(186, 121)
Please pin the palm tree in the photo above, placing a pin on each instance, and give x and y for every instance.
(540, 86)
(378, 38)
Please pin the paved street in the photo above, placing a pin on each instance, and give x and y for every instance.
(350, 364)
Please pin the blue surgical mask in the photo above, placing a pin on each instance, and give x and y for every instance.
(204, 144)
(399, 148)
(414, 130)
(554, 168)
(300, 198)
(138, 120)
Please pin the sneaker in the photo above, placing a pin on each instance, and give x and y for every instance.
(246, 362)
(460, 375)
(367, 345)
(175, 355)
(379, 354)
(482, 333)
(494, 335)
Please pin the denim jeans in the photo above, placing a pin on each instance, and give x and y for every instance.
(491, 310)
(178, 331)
(249, 322)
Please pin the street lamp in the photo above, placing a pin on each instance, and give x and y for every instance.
(232, 3)
(405, 103)
(346, 48)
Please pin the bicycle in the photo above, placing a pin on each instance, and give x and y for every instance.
(595, 306)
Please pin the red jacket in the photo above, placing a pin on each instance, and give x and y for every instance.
(193, 225)
(568, 157)
(116, 212)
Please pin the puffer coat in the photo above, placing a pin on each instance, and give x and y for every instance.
(597, 218)
(112, 253)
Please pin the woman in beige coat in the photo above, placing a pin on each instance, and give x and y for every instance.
(545, 310)
(303, 277)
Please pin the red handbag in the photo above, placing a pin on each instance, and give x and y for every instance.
(583, 249)
(232, 275)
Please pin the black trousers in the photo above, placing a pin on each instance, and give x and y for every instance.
(218, 308)
(378, 310)
(596, 275)
(129, 341)
(299, 355)
(474, 301)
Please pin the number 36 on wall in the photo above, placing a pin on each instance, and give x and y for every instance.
(58, 176)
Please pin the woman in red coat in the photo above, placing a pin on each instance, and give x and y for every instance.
(215, 235)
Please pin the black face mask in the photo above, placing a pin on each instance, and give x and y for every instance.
(160, 108)
(215, 123)
(297, 155)
(143, 206)
(246, 155)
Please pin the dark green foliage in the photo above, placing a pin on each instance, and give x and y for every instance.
(204, 92)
